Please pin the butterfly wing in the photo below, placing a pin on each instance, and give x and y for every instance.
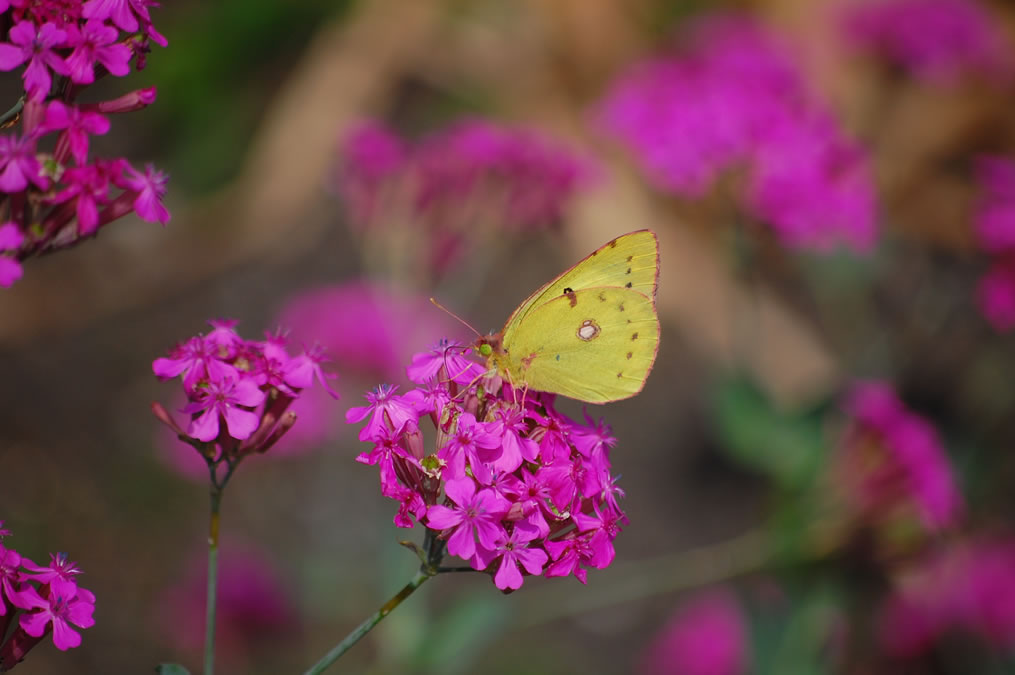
(629, 261)
(594, 344)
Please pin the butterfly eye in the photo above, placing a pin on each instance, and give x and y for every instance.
(485, 349)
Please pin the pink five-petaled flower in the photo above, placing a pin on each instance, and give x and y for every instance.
(387, 411)
(474, 442)
(20, 165)
(513, 551)
(124, 13)
(196, 360)
(10, 239)
(222, 399)
(78, 125)
(474, 513)
(34, 45)
(64, 605)
(96, 42)
(446, 354)
(61, 570)
(301, 371)
(150, 187)
(10, 579)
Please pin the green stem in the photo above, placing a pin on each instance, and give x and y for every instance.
(352, 638)
(213, 555)
(13, 112)
(639, 579)
(432, 554)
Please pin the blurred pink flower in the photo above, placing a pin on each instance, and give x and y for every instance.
(707, 636)
(254, 604)
(893, 458)
(935, 40)
(471, 181)
(365, 328)
(731, 97)
(994, 225)
(969, 587)
(995, 295)
(994, 217)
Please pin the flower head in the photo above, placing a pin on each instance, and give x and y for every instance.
(893, 461)
(732, 98)
(513, 486)
(238, 391)
(934, 40)
(470, 181)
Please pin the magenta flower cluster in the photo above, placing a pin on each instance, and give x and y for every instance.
(52, 192)
(514, 487)
(994, 226)
(39, 601)
(732, 98)
(937, 41)
(238, 391)
(893, 461)
(472, 177)
(968, 588)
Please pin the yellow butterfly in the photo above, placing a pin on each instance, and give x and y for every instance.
(590, 334)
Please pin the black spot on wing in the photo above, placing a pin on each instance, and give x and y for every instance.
(627, 285)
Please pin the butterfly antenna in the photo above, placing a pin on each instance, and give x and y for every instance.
(456, 317)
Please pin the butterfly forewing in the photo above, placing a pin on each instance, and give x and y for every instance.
(629, 261)
(594, 344)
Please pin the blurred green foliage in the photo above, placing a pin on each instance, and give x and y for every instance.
(228, 59)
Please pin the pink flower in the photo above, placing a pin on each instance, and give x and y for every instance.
(935, 40)
(150, 187)
(504, 472)
(65, 606)
(34, 45)
(301, 371)
(995, 208)
(707, 636)
(61, 570)
(244, 383)
(17, 158)
(515, 555)
(912, 470)
(226, 398)
(124, 13)
(10, 240)
(365, 328)
(474, 514)
(734, 99)
(995, 295)
(449, 355)
(197, 359)
(472, 177)
(968, 587)
(78, 124)
(95, 42)
(387, 412)
(10, 579)
(472, 442)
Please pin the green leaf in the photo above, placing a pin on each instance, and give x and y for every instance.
(171, 669)
(786, 448)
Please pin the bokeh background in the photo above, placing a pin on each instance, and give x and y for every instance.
(727, 457)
